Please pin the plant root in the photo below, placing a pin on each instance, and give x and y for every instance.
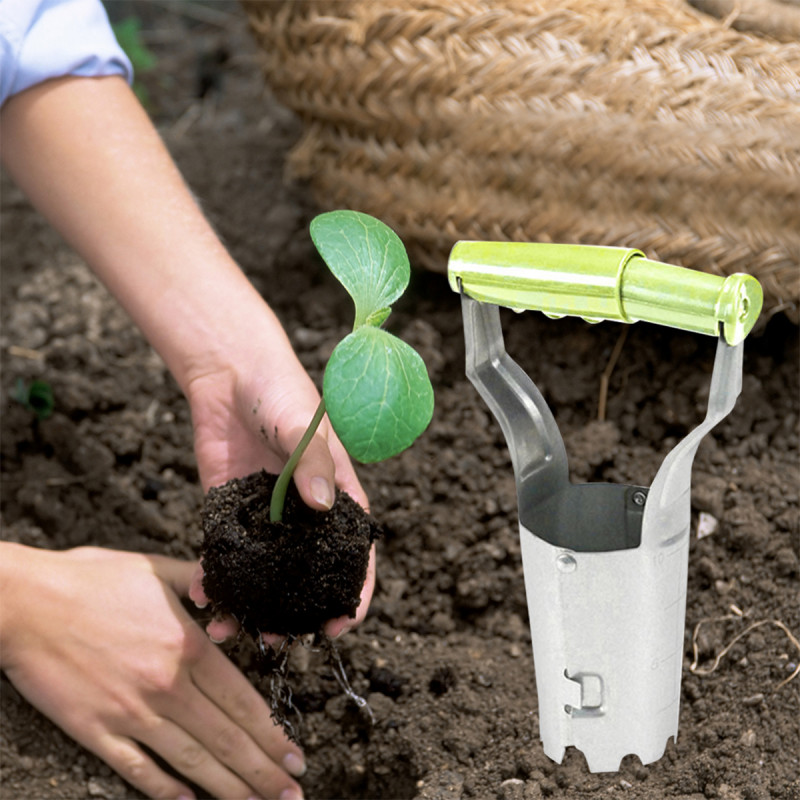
(335, 660)
(275, 665)
(704, 671)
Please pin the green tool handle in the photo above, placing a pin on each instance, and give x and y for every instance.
(605, 283)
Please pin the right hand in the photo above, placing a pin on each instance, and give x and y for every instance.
(99, 642)
(243, 423)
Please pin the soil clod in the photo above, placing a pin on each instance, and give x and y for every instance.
(288, 577)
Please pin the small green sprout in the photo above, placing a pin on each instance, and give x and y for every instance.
(375, 389)
(36, 397)
(128, 33)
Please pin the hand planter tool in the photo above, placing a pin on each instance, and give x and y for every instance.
(605, 565)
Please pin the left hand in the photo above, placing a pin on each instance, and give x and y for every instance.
(99, 641)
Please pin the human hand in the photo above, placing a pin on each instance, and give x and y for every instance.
(98, 641)
(243, 423)
(161, 259)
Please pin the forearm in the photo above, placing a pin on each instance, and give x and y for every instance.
(87, 156)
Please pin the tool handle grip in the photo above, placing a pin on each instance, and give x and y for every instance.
(605, 283)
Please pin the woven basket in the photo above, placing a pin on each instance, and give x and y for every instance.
(621, 122)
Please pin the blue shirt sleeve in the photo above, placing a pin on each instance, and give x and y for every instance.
(43, 39)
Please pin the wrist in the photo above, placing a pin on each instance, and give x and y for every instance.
(15, 564)
(238, 335)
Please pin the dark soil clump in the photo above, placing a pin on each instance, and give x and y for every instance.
(286, 577)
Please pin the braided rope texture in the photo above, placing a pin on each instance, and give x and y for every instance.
(638, 123)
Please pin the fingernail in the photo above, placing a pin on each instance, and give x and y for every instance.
(201, 606)
(294, 764)
(322, 492)
(216, 641)
(291, 794)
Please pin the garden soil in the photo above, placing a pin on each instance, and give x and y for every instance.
(444, 656)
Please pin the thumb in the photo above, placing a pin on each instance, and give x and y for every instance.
(324, 466)
(315, 474)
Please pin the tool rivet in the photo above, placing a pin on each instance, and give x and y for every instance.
(566, 563)
(639, 498)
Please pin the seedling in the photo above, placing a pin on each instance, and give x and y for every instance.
(36, 397)
(375, 389)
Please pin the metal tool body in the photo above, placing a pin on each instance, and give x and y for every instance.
(605, 565)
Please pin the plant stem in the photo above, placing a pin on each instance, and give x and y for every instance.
(282, 484)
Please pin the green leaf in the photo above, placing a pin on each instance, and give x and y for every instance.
(377, 318)
(366, 256)
(41, 400)
(38, 397)
(377, 393)
(128, 33)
